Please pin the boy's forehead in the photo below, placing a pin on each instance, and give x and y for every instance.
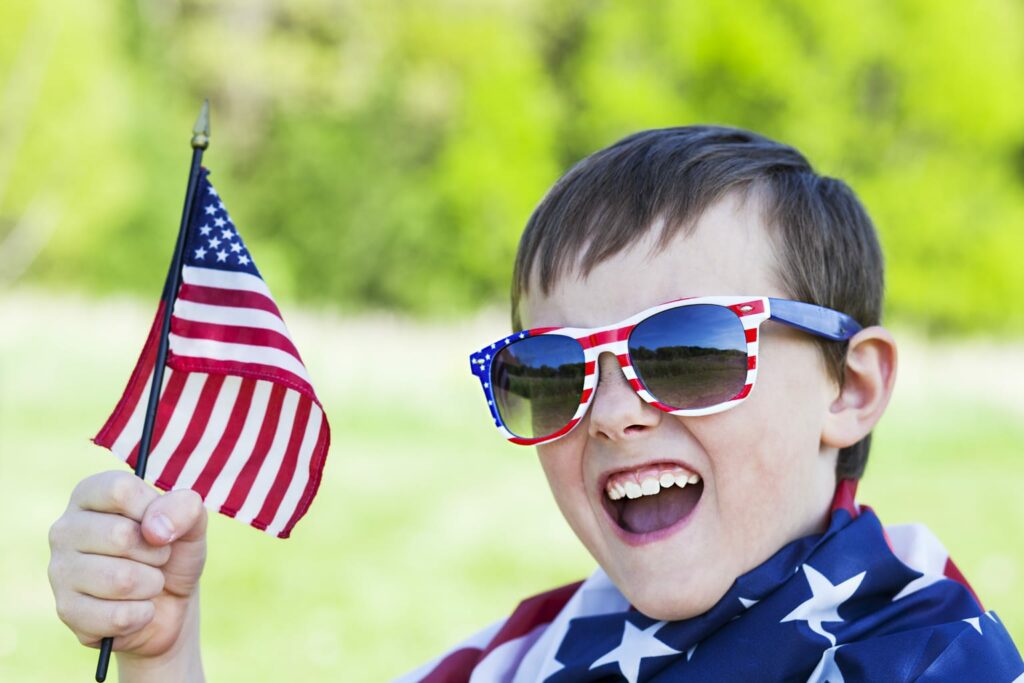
(728, 251)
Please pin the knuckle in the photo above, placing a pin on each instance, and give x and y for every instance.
(64, 612)
(123, 536)
(122, 618)
(123, 580)
(121, 490)
(57, 532)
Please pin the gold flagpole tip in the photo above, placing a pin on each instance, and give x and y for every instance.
(201, 131)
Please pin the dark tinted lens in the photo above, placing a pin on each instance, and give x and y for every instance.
(692, 356)
(537, 384)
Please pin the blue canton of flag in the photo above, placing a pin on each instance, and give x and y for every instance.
(213, 241)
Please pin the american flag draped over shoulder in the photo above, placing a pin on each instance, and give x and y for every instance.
(861, 602)
(238, 421)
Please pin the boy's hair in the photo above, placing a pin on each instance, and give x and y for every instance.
(823, 238)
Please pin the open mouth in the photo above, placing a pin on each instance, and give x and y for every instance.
(651, 498)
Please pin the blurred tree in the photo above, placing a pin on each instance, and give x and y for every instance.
(388, 154)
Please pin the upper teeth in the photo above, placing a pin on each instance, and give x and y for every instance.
(648, 481)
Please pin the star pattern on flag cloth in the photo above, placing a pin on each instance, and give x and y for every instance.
(636, 645)
(823, 605)
(215, 243)
(827, 670)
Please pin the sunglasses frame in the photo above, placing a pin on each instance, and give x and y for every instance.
(614, 338)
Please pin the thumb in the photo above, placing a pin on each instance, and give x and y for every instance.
(173, 516)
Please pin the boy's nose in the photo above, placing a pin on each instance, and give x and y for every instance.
(616, 411)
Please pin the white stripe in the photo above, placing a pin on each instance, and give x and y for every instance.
(243, 353)
(176, 426)
(229, 315)
(297, 486)
(504, 659)
(477, 641)
(211, 436)
(272, 461)
(243, 447)
(223, 279)
(132, 432)
(616, 347)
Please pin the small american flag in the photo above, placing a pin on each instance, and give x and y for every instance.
(238, 421)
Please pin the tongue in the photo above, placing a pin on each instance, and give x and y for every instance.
(650, 513)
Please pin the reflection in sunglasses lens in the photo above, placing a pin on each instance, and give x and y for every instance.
(537, 384)
(692, 356)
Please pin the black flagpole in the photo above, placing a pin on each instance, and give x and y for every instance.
(200, 141)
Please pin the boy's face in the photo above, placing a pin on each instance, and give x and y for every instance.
(767, 479)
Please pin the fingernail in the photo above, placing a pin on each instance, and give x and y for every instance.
(163, 527)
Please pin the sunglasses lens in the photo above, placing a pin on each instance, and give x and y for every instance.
(537, 383)
(692, 356)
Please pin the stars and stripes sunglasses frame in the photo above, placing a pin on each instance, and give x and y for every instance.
(716, 319)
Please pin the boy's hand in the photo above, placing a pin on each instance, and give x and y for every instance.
(125, 562)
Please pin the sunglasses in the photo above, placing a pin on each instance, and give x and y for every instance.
(694, 356)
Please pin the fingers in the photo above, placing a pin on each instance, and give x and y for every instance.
(106, 534)
(92, 619)
(112, 578)
(119, 492)
(173, 516)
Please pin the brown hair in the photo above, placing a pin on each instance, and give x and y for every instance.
(825, 241)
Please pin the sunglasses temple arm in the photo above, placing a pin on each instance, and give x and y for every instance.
(817, 320)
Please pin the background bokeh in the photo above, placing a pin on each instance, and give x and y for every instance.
(381, 159)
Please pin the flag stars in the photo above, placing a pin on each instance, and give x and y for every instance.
(636, 645)
(243, 260)
(235, 247)
(222, 256)
(825, 600)
(210, 190)
(205, 230)
(200, 253)
(227, 234)
(214, 243)
(210, 209)
(219, 222)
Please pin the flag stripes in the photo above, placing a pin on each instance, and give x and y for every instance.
(237, 420)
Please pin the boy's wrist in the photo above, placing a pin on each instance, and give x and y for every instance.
(182, 662)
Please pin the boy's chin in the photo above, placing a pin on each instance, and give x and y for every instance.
(655, 601)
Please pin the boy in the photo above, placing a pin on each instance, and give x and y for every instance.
(721, 515)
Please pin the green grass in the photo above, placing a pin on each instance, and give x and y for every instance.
(427, 526)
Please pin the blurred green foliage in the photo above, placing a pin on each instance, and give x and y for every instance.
(387, 154)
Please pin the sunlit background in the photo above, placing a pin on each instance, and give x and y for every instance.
(381, 159)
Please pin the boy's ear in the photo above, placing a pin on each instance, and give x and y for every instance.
(869, 379)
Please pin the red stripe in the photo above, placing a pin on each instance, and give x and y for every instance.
(756, 306)
(137, 385)
(951, 571)
(233, 334)
(287, 468)
(270, 373)
(635, 383)
(245, 479)
(227, 441)
(751, 334)
(164, 411)
(586, 395)
(751, 362)
(844, 497)
(194, 432)
(743, 392)
(530, 442)
(533, 612)
(234, 298)
(530, 614)
(316, 470)
(589, 367)
(606, 337)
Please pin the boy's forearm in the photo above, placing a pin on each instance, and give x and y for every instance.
(183, 662)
